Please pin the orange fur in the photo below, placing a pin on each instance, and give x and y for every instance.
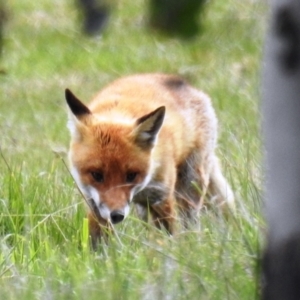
(123, 133)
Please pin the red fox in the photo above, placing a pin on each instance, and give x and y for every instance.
(148, 139)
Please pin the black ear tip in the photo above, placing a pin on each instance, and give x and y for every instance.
(68, 93)
(76, 106)
(162, 109)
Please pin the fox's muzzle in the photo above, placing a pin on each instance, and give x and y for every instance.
(117, 216)
(101, 211)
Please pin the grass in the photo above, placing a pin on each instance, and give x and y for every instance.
(44, 246)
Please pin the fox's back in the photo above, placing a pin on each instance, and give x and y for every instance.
(189, 115)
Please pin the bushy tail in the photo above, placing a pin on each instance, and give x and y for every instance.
(219, 189)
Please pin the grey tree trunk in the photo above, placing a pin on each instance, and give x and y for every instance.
(281, 126)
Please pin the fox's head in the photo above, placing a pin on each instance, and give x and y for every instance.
(111, 159)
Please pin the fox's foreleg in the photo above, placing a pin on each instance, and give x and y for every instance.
(98, 229)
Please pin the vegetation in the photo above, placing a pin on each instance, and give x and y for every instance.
(44, 250)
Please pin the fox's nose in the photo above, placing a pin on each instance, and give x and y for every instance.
(117, 216)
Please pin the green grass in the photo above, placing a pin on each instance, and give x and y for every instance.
(43, 233)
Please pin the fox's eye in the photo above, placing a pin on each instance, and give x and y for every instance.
(130, 176)
(98, 176)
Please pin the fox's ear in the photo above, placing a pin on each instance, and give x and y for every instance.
(148, 126)
(77, 115)
(77, 107)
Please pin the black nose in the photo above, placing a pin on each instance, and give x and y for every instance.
(116, 216)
